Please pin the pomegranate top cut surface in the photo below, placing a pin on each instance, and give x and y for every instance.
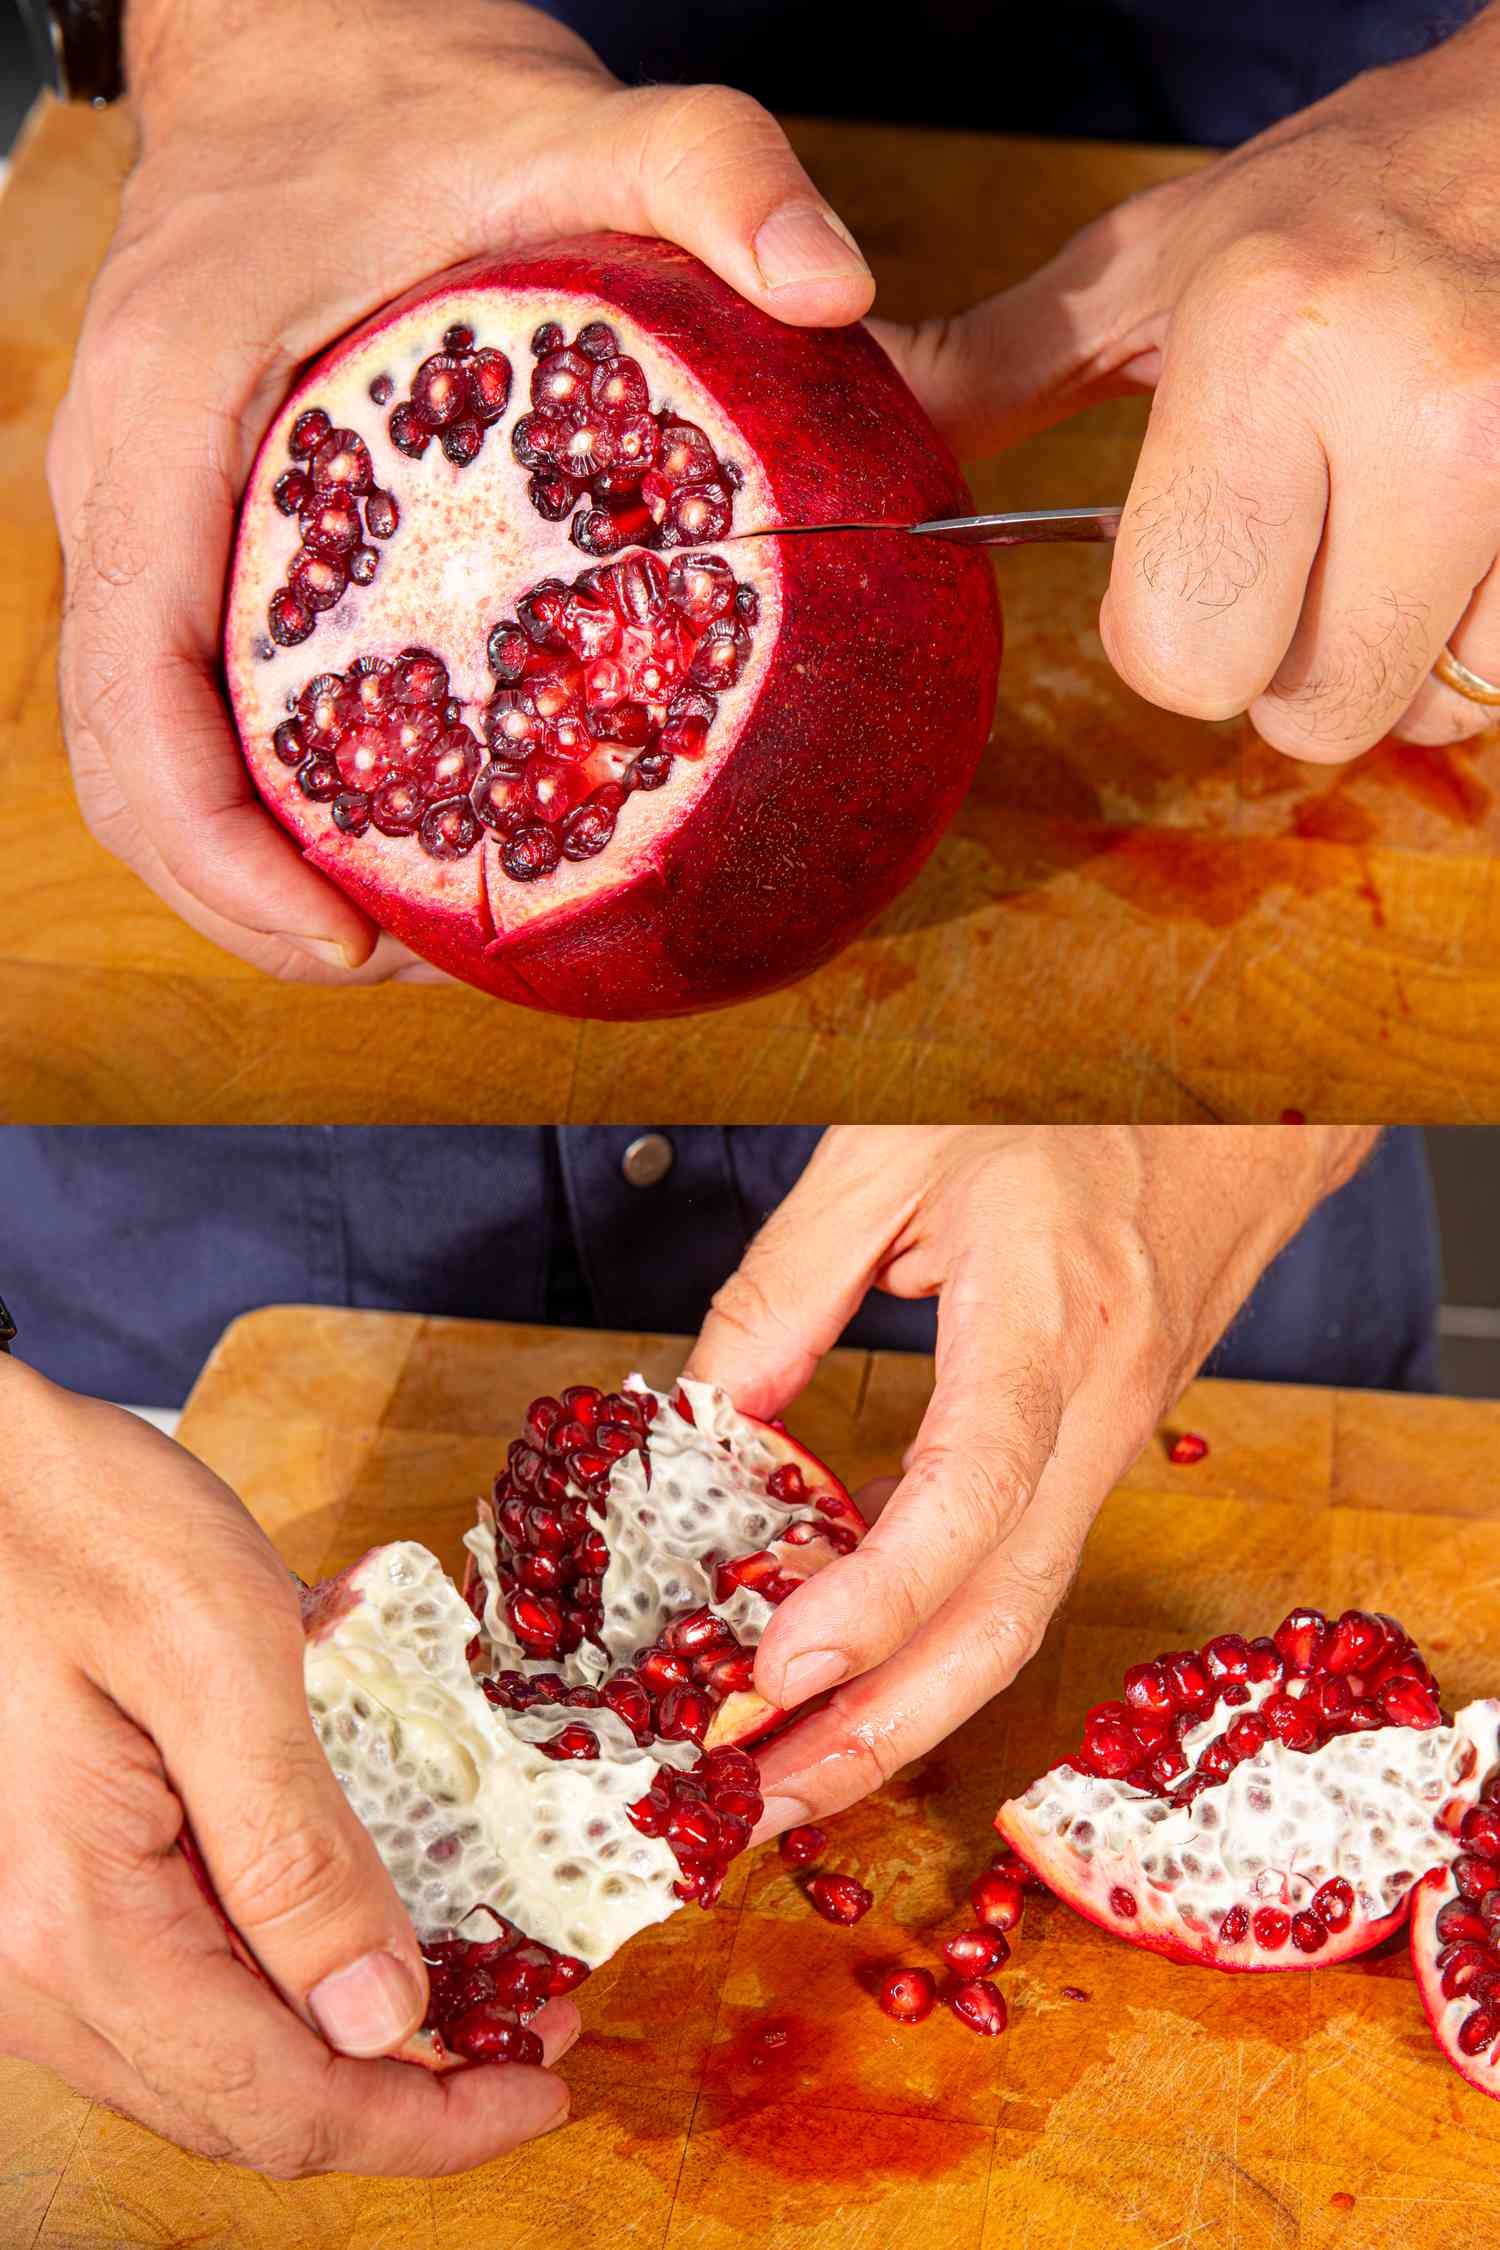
(1455, 1923)
(494, 669)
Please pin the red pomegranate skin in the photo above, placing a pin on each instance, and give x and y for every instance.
(872, 715)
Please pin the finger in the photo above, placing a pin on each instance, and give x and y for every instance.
(1438, 713)
(804, 1276)
(1405, 544)
(147, 552)
(707, 167)
(1222, 525)
(1080, 329)
(296, 1873)
(983, 1446)
(968, 1652)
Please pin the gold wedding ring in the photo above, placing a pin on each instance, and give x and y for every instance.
(1454, 673)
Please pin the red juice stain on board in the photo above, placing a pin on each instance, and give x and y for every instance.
(1179, 875)
(1436, 775)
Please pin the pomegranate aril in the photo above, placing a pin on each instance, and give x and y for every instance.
(351, 812)
(1408, 1702)
(487, 377)
(408, 432)
(1333, 1903)
(1301, 1638)
(290, 491)
(1479, 2033)
(1270, 1928)
(396, 808)
(288, 744)
(308, 432)
(546, 339)
(381, 514)
(1124, 1904)
(839, 1898)
(979, 2004)
(289, 619)
(908, 1995)
(1235, 1927)
(1187, 1448)
(1479, 1832)
(997, 1900)
(801, 1845)
(450, 830)
(486, 2034)
(319, 779)
(1309, 1933)
(973, 1953)
(598, 340)
(461, 441)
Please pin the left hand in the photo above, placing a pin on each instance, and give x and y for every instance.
(1316, 508)
(1081, 1278)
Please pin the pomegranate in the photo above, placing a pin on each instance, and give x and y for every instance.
(503, 666)
(1455, 1921)
(634, 1547)
(1262, 1804)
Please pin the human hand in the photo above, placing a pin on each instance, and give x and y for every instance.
(1081, 1276)
(1316, 508)
(300, 166)
(154, 1672)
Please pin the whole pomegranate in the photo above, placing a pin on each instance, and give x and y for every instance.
(503, 664)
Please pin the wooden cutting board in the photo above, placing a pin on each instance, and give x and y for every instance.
(1171, 2106)
(1134, 914)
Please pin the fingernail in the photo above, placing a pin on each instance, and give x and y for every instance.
(804, 242)
(812, 1672)
(366, 2008)
(780, 1814)
(331, 956)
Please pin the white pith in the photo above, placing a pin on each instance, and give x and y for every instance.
(1362, 1806)
(463, 1809)
(706, 1502)
(1478, 1727)
(468, 545)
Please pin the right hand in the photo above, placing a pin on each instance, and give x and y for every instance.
(300, 165)
(154, 1673)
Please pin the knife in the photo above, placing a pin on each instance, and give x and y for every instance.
(1018, 529)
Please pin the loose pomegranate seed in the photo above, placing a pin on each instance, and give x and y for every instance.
(996, 1900)
(908, 1995)
(799, 1845)
(979, 2005)
(1187, 1448)
(973, 1953)
(839, 1898)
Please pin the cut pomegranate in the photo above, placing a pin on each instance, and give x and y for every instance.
(801, 1845)
(635, 1546)
(1256, 1804)
(660, 783)
(839, 1898)
(1455, 1922)
(908, 1995)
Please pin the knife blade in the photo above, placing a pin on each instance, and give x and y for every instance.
(1018, 528)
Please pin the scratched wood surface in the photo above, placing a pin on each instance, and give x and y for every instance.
(1173, 2106)
(1134, 915)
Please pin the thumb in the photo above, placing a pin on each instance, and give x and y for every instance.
(708, 168)
(294, 1870)
(1080, 329)
(795, 1290)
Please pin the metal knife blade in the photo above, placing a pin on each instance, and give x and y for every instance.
(1016, 529)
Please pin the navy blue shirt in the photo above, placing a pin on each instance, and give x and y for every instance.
(1148, 70)
(125, 1253)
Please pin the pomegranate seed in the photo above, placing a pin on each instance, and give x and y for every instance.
(1301, 1638)
(308, 432)
(979, 2005)
(1479, 2033)
(1407, 1702)
(973, 1953)
(1186, 1448)
(1309, 1934)
(1271, 1928)
(799, 1845)
(573, 1742)
(1474, 1877)
(1123, 1904)
(1333, 1903)
(1235, 1927)
(996, 1900)
(908, 1995)
(839, 1898)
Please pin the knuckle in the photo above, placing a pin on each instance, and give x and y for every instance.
(289, 1866)
(706, 127)
(1144, 649)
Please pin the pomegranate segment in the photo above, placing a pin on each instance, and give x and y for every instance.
(1256, 1804)
(1455, 1921)
(698, 773)
(634, 1548)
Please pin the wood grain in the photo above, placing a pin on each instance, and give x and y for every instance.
(1134, 915)
(1171, 2107)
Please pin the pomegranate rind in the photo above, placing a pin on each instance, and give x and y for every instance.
(1321, 1809)
(718, 1443)
(1479, 1725)
(856, 732)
